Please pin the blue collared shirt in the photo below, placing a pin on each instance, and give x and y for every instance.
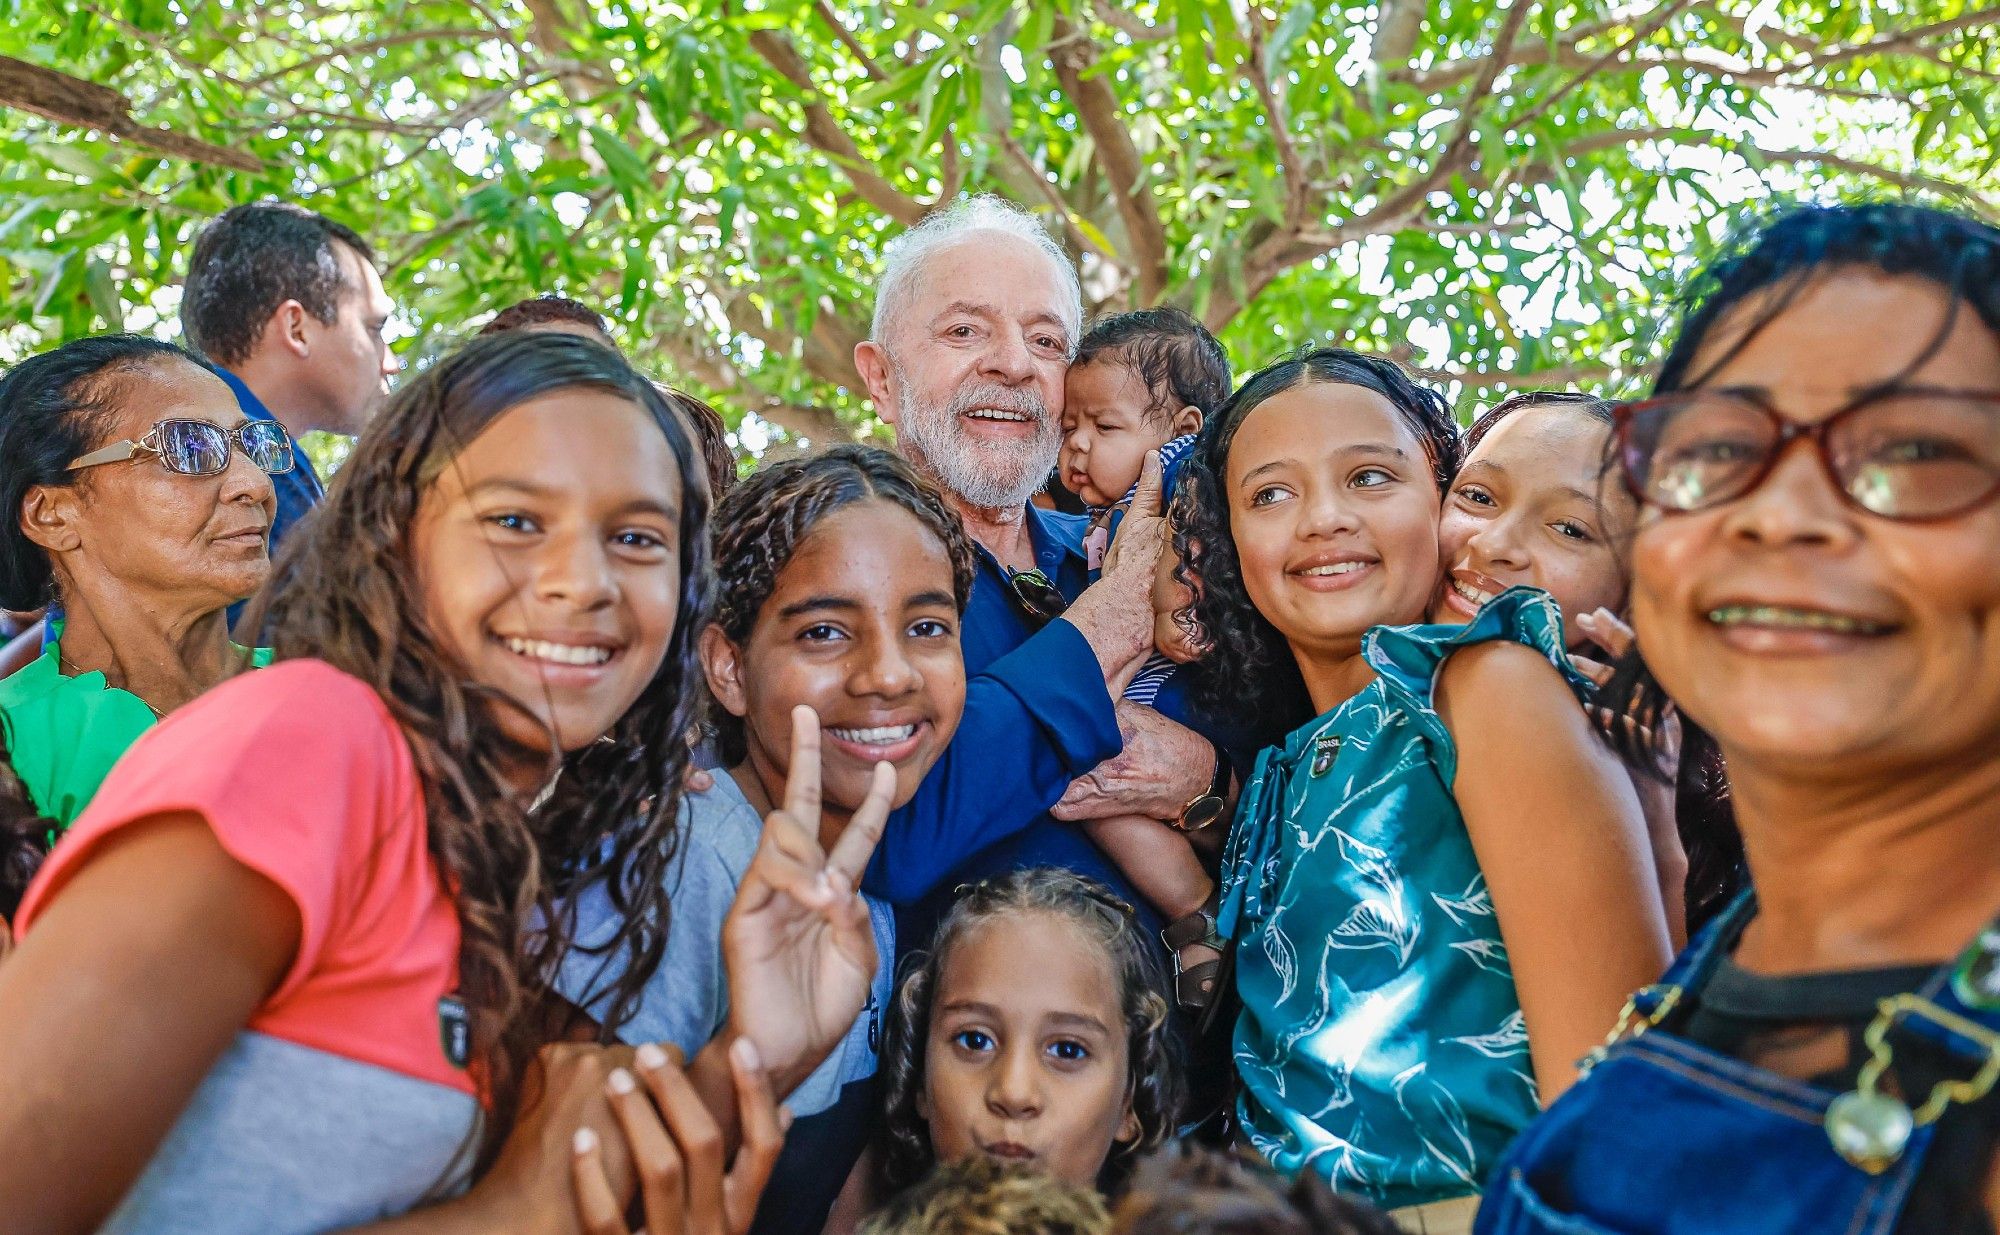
(999, 638)
(299, 490)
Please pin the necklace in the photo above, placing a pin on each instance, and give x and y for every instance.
(75, 670)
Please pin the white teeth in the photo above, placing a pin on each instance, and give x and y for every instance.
(1337, 568)
(886, 735)
(1794, 619)
(989, 413)
(1471, 593)
(559, 653)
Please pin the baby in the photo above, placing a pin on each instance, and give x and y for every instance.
(1143, 381)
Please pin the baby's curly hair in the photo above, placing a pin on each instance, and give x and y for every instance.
(984, 1196)
(1249, 677)
(762, 522)
(1153, 1066)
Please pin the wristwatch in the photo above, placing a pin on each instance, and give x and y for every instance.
(1207, 806)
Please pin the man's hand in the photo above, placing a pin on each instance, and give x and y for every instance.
(1115, 614)
(1163, 766)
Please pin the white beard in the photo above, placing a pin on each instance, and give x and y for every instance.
(988, 475)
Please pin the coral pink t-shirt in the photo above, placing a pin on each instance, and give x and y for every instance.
(305, 778)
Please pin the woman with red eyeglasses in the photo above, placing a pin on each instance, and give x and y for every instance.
(1816, 584)
(137, 500)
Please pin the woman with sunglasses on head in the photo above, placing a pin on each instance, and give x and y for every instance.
(1817, 586)
(138, 499)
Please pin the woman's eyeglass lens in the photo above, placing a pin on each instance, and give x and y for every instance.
(198, 448)
(1911, 455)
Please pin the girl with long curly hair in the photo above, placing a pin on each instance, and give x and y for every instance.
(292, 970)
(1034, 1030)
(1407, 868)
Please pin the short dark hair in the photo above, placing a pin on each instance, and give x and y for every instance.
(713, 438)
(980, 1195)
(53, 408)
(1188, 1190)
(1780, 248)
(1589, 405)
(251, 259)
(541, 310)
(1180, 362)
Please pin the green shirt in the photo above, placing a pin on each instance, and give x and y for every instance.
(64, 733)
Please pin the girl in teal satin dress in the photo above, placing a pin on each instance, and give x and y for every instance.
(1441, 888)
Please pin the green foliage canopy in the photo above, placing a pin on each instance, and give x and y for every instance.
(1495, 189)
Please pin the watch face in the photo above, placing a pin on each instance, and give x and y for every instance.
(1201, 812)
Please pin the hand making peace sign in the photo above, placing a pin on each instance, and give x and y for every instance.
(798, 944)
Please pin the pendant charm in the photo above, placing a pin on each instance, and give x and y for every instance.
(1976, 981)
(1869, 1129)
(1325, 749)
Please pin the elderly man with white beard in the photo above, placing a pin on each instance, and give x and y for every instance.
(976, 317)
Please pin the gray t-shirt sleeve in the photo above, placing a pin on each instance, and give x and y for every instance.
(687, 999)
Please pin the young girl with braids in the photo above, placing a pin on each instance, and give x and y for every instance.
(292, 969)
(1034, 1030)
(840, 581)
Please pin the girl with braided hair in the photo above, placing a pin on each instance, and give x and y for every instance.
(840, 582)
(1034, 1030)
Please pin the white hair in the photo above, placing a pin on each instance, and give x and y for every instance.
(982, 213)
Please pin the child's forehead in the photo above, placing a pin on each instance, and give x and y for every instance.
(1030, 958)
(1109, 383)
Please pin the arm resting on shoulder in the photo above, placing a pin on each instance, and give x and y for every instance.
(1562, 842)
(1038, 718)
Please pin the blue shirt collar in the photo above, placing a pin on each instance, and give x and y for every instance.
(246, 398)
(1055, 537)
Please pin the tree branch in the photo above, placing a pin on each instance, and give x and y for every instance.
(87, 105)
(1131, 25)
(372, 45)
(1458, 146)
(1396, 31)
(1298, 178)
(1097, 108)
(1542, 379)
(840, 31)
(825, 134)
(1017, 170)
(1565, 54)
(715, 372)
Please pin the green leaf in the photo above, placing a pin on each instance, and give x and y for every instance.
(1297, 20)
(627, 170)
(103, 293)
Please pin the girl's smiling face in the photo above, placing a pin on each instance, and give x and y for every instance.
(1804, 633)
(862, 627)
(1026, 1058)
(1526, 509)
(547, 555)
(1334, 510)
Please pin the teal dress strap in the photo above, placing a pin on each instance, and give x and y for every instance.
(1381, 1043)
(1407, 658)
